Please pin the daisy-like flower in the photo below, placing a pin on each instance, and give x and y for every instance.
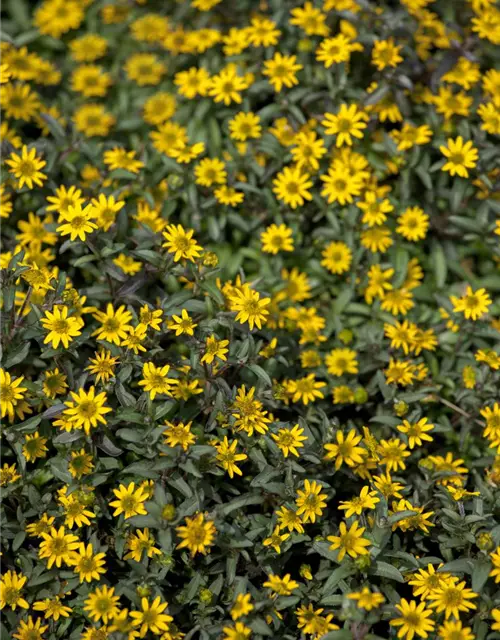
(345, 450)
(197, 534)
(310, 501)
(416, 432)
(277, 238)
(129, 501)
(367, 599)
(61, 327)
(227, 456)
(349, 541)
(413, 619)
(182, 324)
(292, 186)
(337, 257)
(87, 409)
(290, 440)
(77, 222)
(26, 168)
(11, 393)
(349, 122)
(151, 617)
(155, 380)
(473, 304)
(281, 71)
(214, 349)
(459, 156)
(250, 306)
(386, 54)
(181, 243)
(276, 539)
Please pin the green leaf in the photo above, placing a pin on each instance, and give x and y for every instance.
(54, 127)
(480, 574)
(439, 264)
(385, 570)
(17, 355)
(335, 577)
(28, 426)
(261, 374)
(462, 565)
(259, 626)
(238, 503)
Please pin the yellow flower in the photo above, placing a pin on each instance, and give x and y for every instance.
(179, 435)
(386, 54)
(306, 389)
(181, 243)
(244, 126)
(345, 450)
(366, 500)
(87, 564)
(34, 447)
(367, 599)
(139, 542)
(290, 440)
(276, 539)
(292, 186)
(337, 257)
(425, 581)
(57, 546)
(341, 361)
(454, 630)
(26, 168)
(277, 238)
(77, 222)
(416, 432)
(151, 617)
(281, 71)
(242, 606)
(226, 85)
(310, 501)
(182, 324)
(102, 366)
(238, 632)
(288, 519)
(155, 380)
(61, 327)
(414, 619)
(348, 123)
(197, 534)
(459, 157)
(340, 186)
(250, 307)
(392, 454)
(281, 586)
(473, 304)
(145, 69)
(413, 224)
(11, 586)
(227, 456)
(130, 501)
(349, 541)
(452, 598)
(11, 393)
(52, 608)
(102, 604)
(30, 630)
(214, 349)
(87, 409)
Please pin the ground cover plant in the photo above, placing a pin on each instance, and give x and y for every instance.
(250, 320)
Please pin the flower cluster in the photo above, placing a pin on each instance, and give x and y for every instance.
(250, 319)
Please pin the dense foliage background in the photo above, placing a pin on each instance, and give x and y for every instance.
(250, 319)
